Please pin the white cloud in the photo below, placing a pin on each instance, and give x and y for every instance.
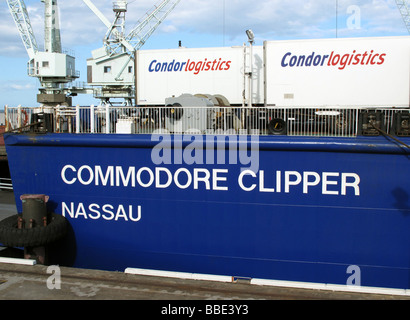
(21, 86)
(18, 85)
(269, 19)
(15, 92)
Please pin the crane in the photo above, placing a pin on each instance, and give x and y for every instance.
(404, 8)
(112, 68)
(20, 16)
(52, 67)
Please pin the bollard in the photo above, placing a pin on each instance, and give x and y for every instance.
(35, 208)
(34, 215)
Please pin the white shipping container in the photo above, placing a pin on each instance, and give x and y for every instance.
(338, 72)
(369, 72)
(165, 73)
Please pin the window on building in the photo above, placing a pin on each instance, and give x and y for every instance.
(45, 64)
(107, 69)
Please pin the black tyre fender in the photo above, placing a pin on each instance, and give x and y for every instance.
(11, 236)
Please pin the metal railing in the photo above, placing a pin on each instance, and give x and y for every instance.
(6, 184)
(324, 121)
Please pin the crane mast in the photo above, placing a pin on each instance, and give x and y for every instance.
(145, 27)
(52, 38)
(404, 8)
(21, 18)
(52, 67)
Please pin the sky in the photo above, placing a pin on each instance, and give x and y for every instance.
(197, 23)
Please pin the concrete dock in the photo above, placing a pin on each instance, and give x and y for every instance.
(40, 282)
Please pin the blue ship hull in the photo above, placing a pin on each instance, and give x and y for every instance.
(313, 208)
